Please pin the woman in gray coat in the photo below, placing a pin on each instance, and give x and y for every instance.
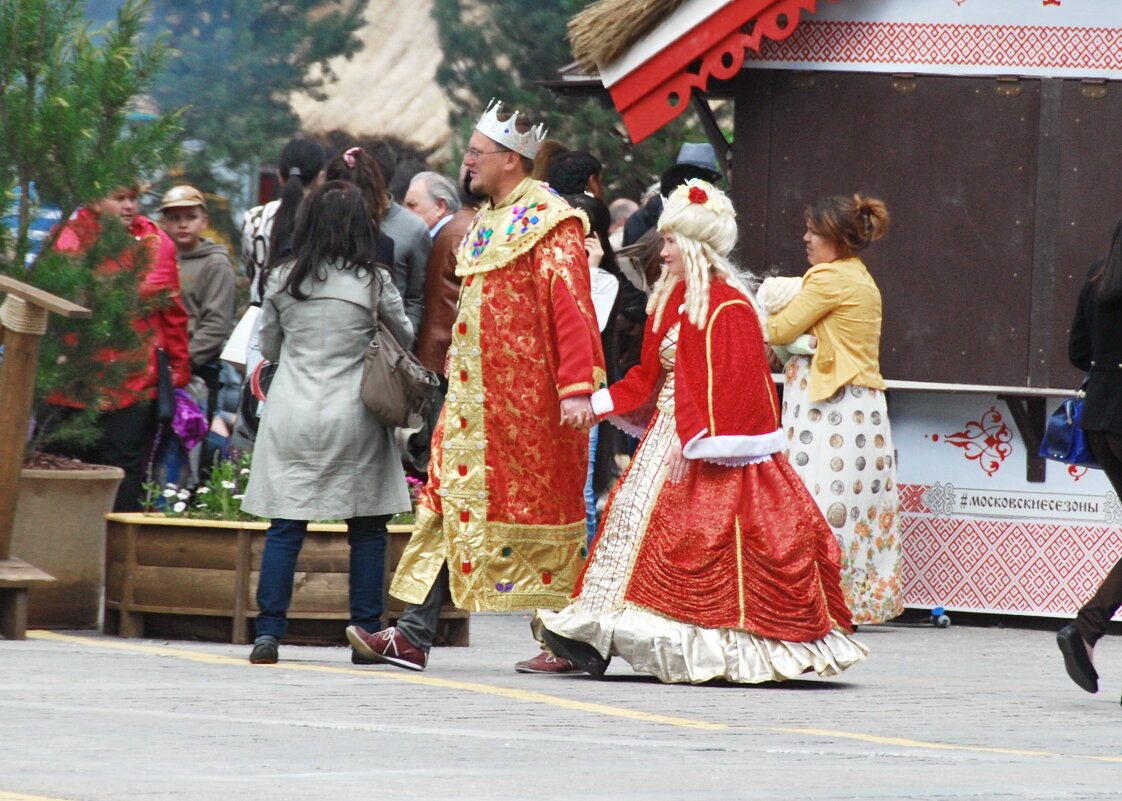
(320, 453)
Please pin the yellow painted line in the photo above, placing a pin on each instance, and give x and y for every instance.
(906, 743)
(551, 700)
(413, 678)
(24, 797)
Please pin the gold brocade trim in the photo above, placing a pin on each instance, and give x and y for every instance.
(463, 479)
(583, 385)
(740, 573)
(500, 234)
(422, 558)
(521, 567)
(709, 360)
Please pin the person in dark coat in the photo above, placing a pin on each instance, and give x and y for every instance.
(1095, 345)
(695, 160)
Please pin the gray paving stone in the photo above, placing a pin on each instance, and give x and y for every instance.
(960, 713)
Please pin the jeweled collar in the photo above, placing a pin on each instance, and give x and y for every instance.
(501, 233)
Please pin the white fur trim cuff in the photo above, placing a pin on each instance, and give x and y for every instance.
(738, 447)
(602, 402)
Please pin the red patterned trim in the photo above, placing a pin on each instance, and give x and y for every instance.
(1011, 46)
(1031, 567)
(659, 90)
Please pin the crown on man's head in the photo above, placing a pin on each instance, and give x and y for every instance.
(506, 133)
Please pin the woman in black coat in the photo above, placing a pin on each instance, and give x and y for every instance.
(1096, 346)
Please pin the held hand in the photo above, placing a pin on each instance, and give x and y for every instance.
(577, 411)
(594, 250)
(679, 464)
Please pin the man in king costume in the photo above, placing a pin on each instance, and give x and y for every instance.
(500, 523)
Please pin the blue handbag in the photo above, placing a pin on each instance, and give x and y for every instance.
(1064, 440)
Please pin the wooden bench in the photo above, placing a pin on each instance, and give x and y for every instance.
(16, 578)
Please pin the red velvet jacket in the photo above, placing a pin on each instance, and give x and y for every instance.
(166, 327)
(725, 406)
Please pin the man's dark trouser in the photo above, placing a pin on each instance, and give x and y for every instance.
(418, 622)
(124, 439)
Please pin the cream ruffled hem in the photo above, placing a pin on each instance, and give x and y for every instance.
(679, 652)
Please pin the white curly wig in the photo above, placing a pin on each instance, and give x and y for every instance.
(703, 222)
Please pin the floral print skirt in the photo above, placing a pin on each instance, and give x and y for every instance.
(842, 449)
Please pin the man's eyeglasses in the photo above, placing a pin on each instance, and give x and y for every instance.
(474, 154)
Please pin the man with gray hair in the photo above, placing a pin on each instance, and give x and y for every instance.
(434, 198)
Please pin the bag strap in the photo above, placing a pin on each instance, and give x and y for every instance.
(375, 293)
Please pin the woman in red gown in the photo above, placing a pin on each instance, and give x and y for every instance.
(713, 561)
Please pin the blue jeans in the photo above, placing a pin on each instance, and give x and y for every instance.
(283, 540)
(589, 493)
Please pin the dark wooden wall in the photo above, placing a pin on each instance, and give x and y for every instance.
(1001, 195)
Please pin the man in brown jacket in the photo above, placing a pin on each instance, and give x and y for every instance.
(442, 294)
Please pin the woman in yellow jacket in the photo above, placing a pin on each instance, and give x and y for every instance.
(834, 413)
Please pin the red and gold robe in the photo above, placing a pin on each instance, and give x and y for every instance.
(503, 505)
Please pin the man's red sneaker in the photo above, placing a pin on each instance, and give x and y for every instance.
(388, 646)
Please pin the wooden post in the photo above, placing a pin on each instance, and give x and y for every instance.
(23, 320)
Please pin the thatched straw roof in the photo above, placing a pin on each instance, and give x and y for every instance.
(389, 88)
(606, 30)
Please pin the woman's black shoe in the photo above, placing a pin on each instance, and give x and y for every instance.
(1076, 659)
(264, 650)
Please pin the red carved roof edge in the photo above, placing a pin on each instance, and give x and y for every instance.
(659, 90)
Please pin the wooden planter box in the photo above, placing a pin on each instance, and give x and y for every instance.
(197, 579)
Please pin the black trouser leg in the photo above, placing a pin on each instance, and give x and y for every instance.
(125, 437)
(1097, 612)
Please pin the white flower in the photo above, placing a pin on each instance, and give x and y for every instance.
(245, 471)
(169, 492)
(238, 497)
(179, 507)
(183, 494)
(202, 490)
(228, 485)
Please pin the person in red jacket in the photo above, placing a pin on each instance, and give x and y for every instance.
(128, 421)
(713, 561)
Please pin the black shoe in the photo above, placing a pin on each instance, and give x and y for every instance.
(264, 650)
(579, 653)
(359, 659)
(1076, 659)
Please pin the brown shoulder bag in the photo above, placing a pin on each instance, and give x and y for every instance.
(396, 387)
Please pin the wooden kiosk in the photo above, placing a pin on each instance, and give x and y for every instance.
(23, 322)
(991, 129)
